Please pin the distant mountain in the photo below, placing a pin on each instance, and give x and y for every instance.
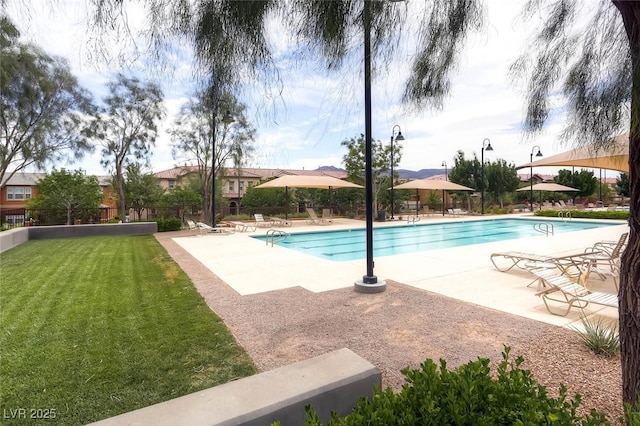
(330, 169)
(402, 173)
(420, 174)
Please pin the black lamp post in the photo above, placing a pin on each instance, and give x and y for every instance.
(446, 177)
(488, 148)
(539, 154)
(226, 119)
(399, 137)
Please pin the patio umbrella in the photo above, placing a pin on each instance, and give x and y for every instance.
(553, 187)
(306, 181)
(614, 158)
(433, 184)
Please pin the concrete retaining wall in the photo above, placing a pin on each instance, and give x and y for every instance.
(331, 382)
(15, 237)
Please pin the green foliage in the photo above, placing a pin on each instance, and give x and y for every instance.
(622, 185)
(72, 193)
(468, 395)
(141, 189)
(601, 337)
(267, 197)
(501, 178)
(42, 107)
(586, 214)
(354, 163)
(584, 180)
(170, 224)
(632, 415)
(127, 126)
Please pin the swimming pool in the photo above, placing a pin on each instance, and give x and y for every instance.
(390, 240)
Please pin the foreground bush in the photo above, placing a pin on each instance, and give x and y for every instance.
(467, 395)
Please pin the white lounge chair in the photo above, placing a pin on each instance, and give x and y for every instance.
(314, 219)
(260, 222)
(565, 288)
(278, 222)
(221, 230)
(242, 227)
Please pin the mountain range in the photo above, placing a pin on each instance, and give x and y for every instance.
(402, 173)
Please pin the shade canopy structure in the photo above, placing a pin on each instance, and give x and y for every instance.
(550, 186)
(615, 157)
(306, 181)
(434, 184)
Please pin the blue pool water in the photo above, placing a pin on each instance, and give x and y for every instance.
(351, 244)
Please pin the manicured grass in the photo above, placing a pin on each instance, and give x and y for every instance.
(94, 327)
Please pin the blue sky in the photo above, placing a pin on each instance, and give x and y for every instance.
(317, 111)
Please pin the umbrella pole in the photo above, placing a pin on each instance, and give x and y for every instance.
(286, 203)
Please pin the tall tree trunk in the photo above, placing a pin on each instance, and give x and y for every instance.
(629, 295)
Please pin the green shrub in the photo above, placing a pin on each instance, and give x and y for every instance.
(585, 214)
(601, 337)
(632, 415)
(468, 395)
(171, 224)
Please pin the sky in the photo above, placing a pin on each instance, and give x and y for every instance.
(316, 111)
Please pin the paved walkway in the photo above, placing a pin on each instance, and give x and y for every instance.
(249, 266)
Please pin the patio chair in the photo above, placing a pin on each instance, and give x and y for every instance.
(260, 222)
(570, 289)
(242, 227)
(521, 260)
(278, 222)
(603, 256)
(192, 226)
(313, 218)
(327, 215)
(222, 230)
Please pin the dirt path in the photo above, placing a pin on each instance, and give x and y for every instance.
(400, 327)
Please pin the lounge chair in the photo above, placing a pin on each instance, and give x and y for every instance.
(242, 227)
(521, 260)
(278, 222)
(222, 230)
(565, 288)
(603, 254)
(260, 222)
(327, 215)
(314, 219)
(192, 226)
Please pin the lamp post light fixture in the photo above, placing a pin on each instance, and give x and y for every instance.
(227, 118)
(539, 154)
(398, 137)
(446, 177)
(488, 148)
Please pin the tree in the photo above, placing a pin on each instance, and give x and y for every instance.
(126, 127)
(597, 68)
(186, 197)
(502, 179)
(584, 181)
(69, 191)
(266, 197)
(42, 107)
(140, 188)
(465, 172)
(354, 163)
(622, 186)
(192, 136)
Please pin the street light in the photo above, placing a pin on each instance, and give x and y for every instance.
(227, 118)
(488, 148)
(399, 137)
(446, 177)
(539, 154)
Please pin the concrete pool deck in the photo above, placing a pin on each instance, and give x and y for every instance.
(465, 273)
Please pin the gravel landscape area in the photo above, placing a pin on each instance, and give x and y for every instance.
(401, 327)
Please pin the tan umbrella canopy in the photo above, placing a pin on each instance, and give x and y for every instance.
(555, 187)
(306, 181)
(616, 157)
(435, 184)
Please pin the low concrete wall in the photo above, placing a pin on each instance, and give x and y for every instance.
(15, 237)
(331, 382)
(71, 231)
(12, 238)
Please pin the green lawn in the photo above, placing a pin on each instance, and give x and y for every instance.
(94, 327)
